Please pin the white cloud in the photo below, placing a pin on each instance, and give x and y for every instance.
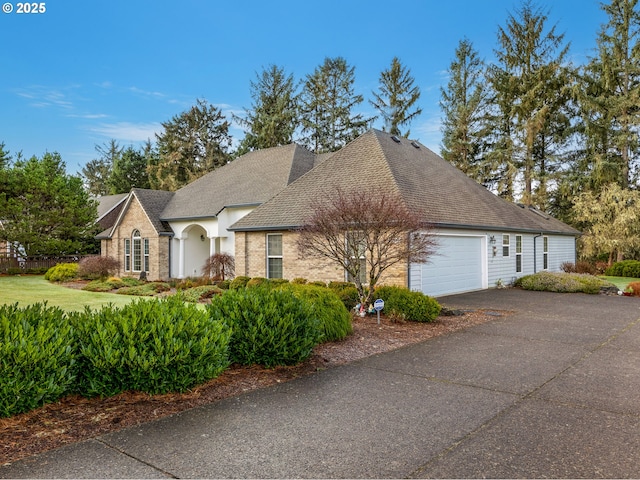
(127, 131)
(88, 116)
(43, 96)
(429, 133)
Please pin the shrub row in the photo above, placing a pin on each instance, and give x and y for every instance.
(625, 268)
(562, 282)
(150, 346)
(158, 346)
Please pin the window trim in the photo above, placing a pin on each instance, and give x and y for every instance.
(271, 256)
(145, 254)
(127, 254)
(351, 236)
(518, 253)
(506, 246)
(136, 244)
(545, 252)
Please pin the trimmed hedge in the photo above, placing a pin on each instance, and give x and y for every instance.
(625, 268)
(403, 303)
(562, 282)
(270, 326)
(333, 316)
(154, 346)
(347, 292)
(37, 357)
(62, 272)
(202, 292)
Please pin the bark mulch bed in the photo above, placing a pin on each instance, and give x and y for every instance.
(75, 418)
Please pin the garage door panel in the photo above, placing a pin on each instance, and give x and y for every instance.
(456, 268)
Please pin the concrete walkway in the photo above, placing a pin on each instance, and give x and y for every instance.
(552, 390)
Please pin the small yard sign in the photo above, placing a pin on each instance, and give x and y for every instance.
(377, 306)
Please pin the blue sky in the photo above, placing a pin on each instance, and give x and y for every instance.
(84, 72)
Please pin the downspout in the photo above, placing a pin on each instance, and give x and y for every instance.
(535, 256)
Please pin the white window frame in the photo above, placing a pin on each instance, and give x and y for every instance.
(506, 245)
(518, 253)
(145, 254)
(136, 251)
(274, 256)
(127, 254)
(364, 279)
(545, 253)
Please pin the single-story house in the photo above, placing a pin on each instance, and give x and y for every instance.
(483, 240)
(172, 234)
(253, 206)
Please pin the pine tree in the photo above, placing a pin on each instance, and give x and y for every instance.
(396, 97)
(97, 172)
(533, 72)
(192, 144)
(129, 170)
(464, 107)
(274, 115)
(326, 107)
(611, 103)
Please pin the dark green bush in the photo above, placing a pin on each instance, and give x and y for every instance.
(239, 282)
(402, 303)
(16, 271)
(625, 268)
(62, 272)
(561, 282)
(257, 281)
(153, 346)
(37, 357)
(270, 326)
(347, 292)
(224, 284)
(332, 315)
(202, 292)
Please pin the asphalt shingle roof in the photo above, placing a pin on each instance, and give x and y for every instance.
(428, 184)
(249, 180)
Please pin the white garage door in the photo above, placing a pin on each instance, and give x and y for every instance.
(457, 267)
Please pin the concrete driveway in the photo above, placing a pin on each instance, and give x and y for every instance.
(551, 390)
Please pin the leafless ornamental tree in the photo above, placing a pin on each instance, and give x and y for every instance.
(366, 233)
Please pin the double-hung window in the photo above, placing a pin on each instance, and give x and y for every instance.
(127, 254)
(505, 245)
(518, 253)
(545, 253)
(274, 255)
(356, 247)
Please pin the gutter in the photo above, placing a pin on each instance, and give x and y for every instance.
(535, 256)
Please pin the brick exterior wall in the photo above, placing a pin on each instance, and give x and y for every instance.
(135, 218)
(251, 260)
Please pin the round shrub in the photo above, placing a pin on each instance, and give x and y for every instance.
(239, 282)
(62, 272)
(153, 346)
(256, 282)
(202, 292)
(97, 266)
(403, 303)
(562, 282)
(332, 315)
(270, 326)
(625, 268)
(37, 357)
(347, 292)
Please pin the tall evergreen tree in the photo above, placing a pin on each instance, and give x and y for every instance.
(129, 170)
(532, 64)
(45, 211)
(464, 107)
(611, 100)
(396, 98)
(326, 107)
(274, 116)
(97, 172)
(192, 144)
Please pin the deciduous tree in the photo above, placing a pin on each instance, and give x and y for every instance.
(365, 233)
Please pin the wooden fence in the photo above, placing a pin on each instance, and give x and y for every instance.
(14, 265)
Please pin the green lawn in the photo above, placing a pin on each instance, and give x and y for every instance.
(26, 290)
(620, 282)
